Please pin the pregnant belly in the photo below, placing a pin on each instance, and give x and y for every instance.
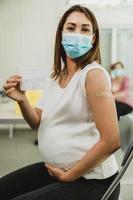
(59, 153)
(64, 147)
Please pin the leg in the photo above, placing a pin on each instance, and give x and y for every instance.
(36, 142)
(79, 190)
(24, 180)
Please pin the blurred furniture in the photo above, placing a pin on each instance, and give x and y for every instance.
(10, 114)
(9, 118)
(126, 134)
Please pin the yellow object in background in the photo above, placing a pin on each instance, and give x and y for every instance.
(33, 97)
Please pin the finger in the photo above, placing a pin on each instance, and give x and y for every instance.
(9, 85)
(9, 91)
(16, 76)
(50, 173)
(53, 174)
(57, 168)
(13, 79)
(49, 168)
(55, 171)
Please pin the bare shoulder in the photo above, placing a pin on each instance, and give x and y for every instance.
(96, 80)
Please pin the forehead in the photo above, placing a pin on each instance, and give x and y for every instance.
(118, 66)
(78, 17)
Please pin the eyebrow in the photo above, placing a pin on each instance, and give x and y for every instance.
(70, 23)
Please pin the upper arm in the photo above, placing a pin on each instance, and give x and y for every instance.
(102, 104)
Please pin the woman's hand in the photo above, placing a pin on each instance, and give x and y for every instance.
(12, 88)
(60, 174)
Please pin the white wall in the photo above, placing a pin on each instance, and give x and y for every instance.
(114, 17)
(27, 30)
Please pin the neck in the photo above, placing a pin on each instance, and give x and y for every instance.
(71, 66)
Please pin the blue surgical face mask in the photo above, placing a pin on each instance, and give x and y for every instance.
(75, 44)
(117, 73)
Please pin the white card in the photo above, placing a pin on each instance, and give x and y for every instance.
(34, 78)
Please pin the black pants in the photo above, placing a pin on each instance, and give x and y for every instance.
(122, 109)
(34, 183)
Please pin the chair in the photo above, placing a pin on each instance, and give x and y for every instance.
(126, 135)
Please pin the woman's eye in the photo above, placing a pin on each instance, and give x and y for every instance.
(70, 28)
(86, 30)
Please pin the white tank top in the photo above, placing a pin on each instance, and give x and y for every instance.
(67, 130)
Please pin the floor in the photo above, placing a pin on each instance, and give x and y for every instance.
(20, 151)
(17, 152)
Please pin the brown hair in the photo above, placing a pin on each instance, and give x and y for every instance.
(59, 53)
(113, 66)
